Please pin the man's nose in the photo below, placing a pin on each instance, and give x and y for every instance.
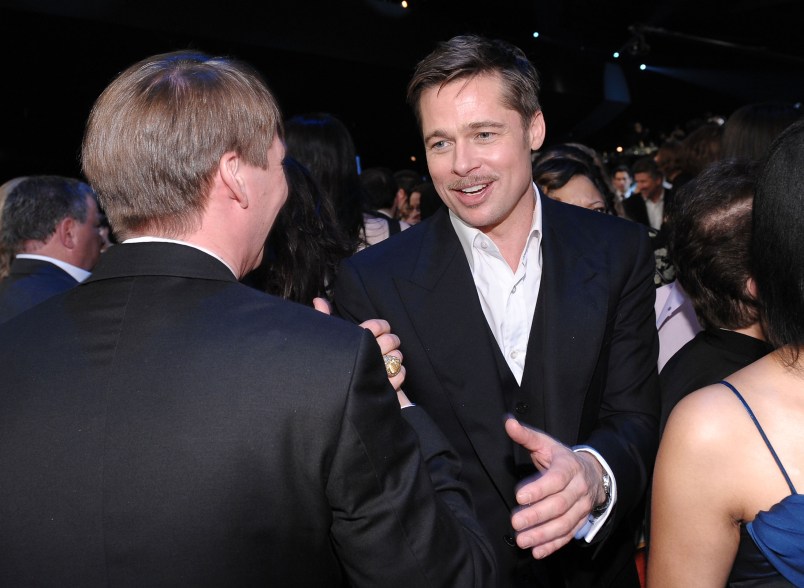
(465, 159)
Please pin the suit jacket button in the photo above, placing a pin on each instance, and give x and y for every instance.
(521, 407)
(510, 540)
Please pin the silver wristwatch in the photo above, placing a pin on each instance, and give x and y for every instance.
(599, 510)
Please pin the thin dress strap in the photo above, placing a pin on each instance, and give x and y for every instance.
(761, 432)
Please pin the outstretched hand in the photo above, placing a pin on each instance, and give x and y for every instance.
(556, 502)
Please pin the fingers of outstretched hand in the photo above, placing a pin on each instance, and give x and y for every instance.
(540, 445)
(553, 532)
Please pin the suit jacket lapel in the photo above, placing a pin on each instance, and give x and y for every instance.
(441, 299)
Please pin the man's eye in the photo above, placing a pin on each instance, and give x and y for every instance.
(485, 135)
(438, 145)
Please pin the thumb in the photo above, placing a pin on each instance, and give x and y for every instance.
(531, 439)
(322, 305)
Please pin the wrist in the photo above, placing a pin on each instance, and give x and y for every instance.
(603, 495)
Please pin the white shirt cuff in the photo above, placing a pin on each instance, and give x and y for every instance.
(594, 524)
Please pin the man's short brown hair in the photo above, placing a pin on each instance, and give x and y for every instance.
(467, 56)
(157, 133)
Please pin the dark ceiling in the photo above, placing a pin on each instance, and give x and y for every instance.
(353, 58)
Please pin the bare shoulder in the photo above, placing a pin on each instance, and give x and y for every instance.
(704, 418)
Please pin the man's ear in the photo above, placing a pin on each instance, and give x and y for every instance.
(536, 130)
(65, 232)
(230, 169)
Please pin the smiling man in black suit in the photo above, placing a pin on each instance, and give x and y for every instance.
(509, 302)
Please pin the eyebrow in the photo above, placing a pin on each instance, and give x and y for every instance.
(481, 124)
(486, 124)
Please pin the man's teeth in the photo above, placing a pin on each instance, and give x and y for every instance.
(473, 189)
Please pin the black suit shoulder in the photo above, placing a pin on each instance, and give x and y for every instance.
(31, 282)
(203, 433)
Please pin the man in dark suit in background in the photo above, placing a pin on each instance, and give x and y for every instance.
(510, 303)
(164, 425)
(651, 201)
(50, 225)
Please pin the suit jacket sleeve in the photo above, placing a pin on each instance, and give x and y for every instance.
(392, 525)
(626, 434)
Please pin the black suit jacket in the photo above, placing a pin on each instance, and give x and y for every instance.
(30, 282)
(163, 425)
(590, 375)
(636, 210)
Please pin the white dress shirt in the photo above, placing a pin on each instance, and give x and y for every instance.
(655, 211)
(78, 274)
(508, 299)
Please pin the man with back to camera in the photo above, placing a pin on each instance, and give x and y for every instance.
(50, 225)
(164, 425)
(510, 303)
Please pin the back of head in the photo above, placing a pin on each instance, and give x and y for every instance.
(668, 158)
(701, 148)
(778, 241)
(750, 130)
(710, 244)
(379, 187)
(467, 56)
(157, 133)
(5, 252)
(36, 204)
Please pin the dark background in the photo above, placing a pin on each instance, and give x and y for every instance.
(353, 58)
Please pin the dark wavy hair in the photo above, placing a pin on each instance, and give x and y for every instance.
(304, 246)
(710, 243)
(750, 130)
(323, 145)
(778, 242)
(466, 56)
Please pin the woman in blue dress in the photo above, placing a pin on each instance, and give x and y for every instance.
(725, 510)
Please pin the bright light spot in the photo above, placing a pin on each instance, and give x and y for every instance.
(616, 55)
(404, 3)
(619, 149)
(535, 35)
(413, 158)
(643, 67)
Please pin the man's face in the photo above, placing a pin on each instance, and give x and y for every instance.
(87, 237)
(478, 152)
(621, 181)
(647, 185)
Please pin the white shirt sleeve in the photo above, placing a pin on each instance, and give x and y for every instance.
(594, 524)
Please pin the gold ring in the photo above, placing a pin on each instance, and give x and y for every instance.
(393, 365)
